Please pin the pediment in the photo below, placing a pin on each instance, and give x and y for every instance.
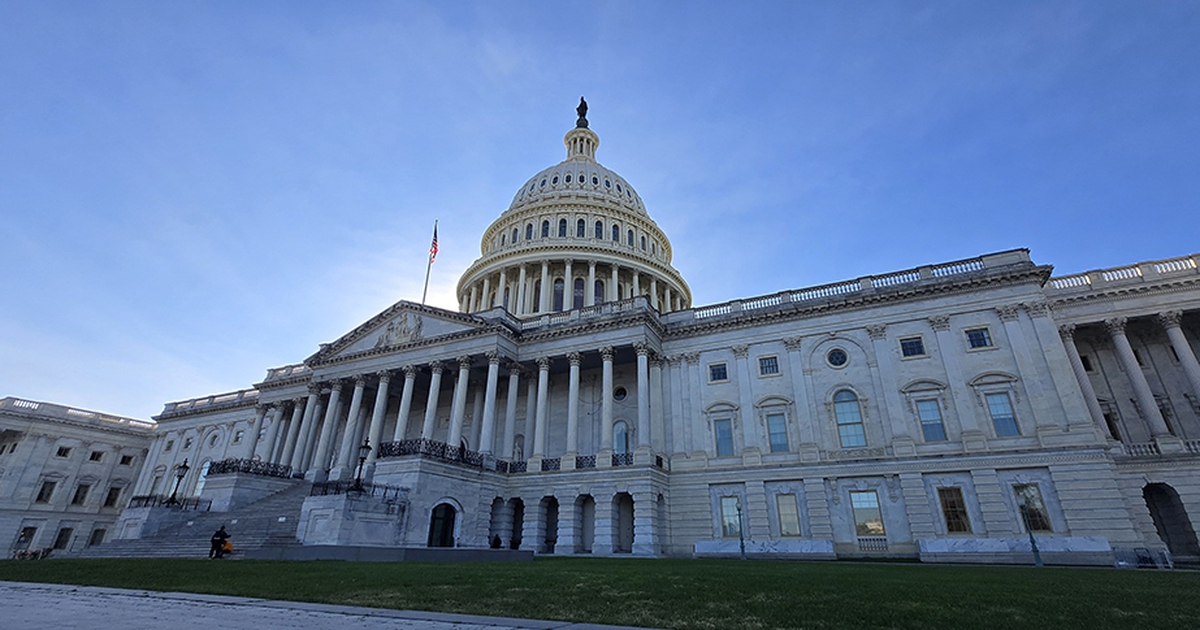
(403, 324)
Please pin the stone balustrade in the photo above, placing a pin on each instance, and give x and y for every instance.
(1124, 276)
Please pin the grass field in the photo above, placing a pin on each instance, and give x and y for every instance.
(683, 593)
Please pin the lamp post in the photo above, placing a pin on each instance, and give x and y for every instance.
(741, 535)
(363, 452)
(1023, 505)
(180, 472)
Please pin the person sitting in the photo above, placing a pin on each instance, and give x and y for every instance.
(218, 543)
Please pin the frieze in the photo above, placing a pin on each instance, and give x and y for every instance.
(400, 331)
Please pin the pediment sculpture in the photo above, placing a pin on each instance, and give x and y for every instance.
(400, 331)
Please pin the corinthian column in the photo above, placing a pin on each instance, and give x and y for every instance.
(321, 460)
(589, 292)
(251, 438)
(604, 458)
(297, 446)
(510, 410)
(406, 396)
(1170, 321)
(458, 407)
(573, 405)
(435, 384)
(544, 294)
(272, 437)
(375, 432)
(349, 448)
(543, 390)
(1141, 388)
(521, 308)
(488, 430)
(1067, 333)
(643, 395)
(293, 432)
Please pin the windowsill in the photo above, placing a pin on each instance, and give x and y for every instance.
(914, 357)
(718, 382)
(983, 348)
(775, 375)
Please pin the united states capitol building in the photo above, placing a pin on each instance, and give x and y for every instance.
(578, 402)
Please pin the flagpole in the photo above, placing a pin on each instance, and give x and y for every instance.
(429, 265)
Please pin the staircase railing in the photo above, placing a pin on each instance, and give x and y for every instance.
(250, 467)
(158, 500)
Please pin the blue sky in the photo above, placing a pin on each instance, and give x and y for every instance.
(192, 192)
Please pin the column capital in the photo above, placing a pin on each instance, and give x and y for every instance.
(1116, 325)
(792, 344)
(297, 401)
(436, 367)
(360, 380)
(493, 357)
(575, 358)
(464, 362)
(642, 348)
(939, 322)
(877, 331)
(1037, 309)
(1170, 319)
(673, 359)
(591, 263)
(607, 353)
(543, 364)
(315, 388)
(336, 384)
(567, 261)
(740, 351)
(384, 376)
(262, 407)
(515, 369)
(691, 357)
(1067, 332)
(545, 263)
(1008, 312)
(410, 371)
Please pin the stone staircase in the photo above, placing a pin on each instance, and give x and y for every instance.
(265, 523)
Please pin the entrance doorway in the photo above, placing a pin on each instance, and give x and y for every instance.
(550, 517)
(587, 523)
(623, 505)
(441, 526)
(518, 522)
(1171, 520)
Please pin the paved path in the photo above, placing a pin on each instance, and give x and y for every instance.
(29, 606)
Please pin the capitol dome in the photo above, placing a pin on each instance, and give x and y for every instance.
(580, 230)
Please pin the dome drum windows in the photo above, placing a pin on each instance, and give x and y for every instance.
(545, 229)
(616, 233)
(580, 228)
(599, 230)
(562, 228)
(529, 232)
(629, 237)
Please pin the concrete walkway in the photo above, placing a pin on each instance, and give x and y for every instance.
(29, 606)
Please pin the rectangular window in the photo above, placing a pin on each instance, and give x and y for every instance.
(717, 372)
(46, 492)
(97, 537)
(114, 495)
(187, 443)
(237, 436)
(81, 492)
(789, 515)
(26, 537)
(768, 366)
(868, 520)
(912, 347)
(724, 430)
(979, 338)
(1033, 510)
(849, 421)
(777, 427)
(931, 420)
(954, 510)
(156, 484)
(127, 460)
(1001, 411)
(63, 451)
(95, 456)
(1111, 420)
(64, 538)
(731, 522)
(1087, 363)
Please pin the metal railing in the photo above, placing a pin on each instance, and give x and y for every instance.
(390, 494)
(552, 463)
(872, 543)
(585, 461)
(440, 451)
(622, 459)
(249, 467)
(158, 500)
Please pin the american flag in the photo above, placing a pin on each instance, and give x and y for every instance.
(433, 248)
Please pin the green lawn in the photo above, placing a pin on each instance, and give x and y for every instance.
(684, 593)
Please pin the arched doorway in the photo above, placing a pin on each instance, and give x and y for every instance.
(497, 530)
(517, 506)
(550, 518)
(1171, 520)
(623, 506)
(441, 526)
(587, 523)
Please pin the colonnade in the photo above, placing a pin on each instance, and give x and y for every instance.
(1147, 404)
(550, 286)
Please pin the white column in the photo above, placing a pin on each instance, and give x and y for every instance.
(484, 301)
(435, 384)
(589, 292)
(573, 407)
(670, 306)
(606, 409)
(510, 410)
(654, 292)
(488, 430)
(298, 436)
(544, 294)
(471, 302)
(637, 283)
(643, 393)
(251, 438)
(520, 297)
(375, 433)
(612, 290)
(272, 437)
(349, 449)
(1170, 322)
(321, 460)
(568, 286)
(1141, 388)
(313, 435)
(406, 396)
(543, 391)
(293, 432)
(658, 430)
(1067, 333)
(500, 287)
(530, 414)
(458, 406)
(476, 413)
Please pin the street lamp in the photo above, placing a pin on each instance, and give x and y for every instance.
(1023, 505)
(180, 472)
(741, 536)
(363, 452)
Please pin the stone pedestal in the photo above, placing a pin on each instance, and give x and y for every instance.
(351, 520)
(234, 490)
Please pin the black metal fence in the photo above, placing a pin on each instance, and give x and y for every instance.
(376, 490)
(158, 500)
(585, 461)
(441, 451)
(622, 459)
(249, 467)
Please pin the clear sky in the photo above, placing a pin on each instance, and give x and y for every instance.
(192, 192)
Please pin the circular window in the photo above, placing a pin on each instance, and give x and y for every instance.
(555, 180)
(837, 357)
(620, 393)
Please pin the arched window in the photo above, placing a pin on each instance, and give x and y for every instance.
(562, 228)
(514, 236)
(643, 243)
(558, 294)
(577, 293)
(598, 292)
(599, 230)
(620, 438)
(616, 233)
(580, 229)
(537, 296)
(503, 238)
(629, 238)
(545, 229)
(529, 232)
(202, 479)
(849, 419)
